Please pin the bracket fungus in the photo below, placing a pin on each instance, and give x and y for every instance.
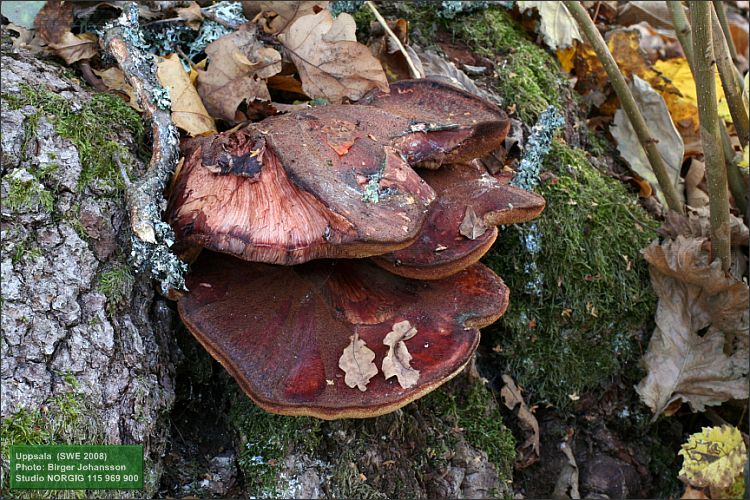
(281, 330)
(352, 337)
(462, 222)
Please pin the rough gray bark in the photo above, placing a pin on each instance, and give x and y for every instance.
(60, 334)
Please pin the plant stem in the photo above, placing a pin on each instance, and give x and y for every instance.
(737, 182)
(724, 23)
(412, 69)
(716, 173)
(674, 201)
(682, 29)
(730, 81)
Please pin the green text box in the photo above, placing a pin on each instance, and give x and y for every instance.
(76, 467)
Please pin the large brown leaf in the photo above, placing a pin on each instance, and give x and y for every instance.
(238, 66)
(53, 24)
(278, 15)
(188, 112)
(699, 350)
(330, 62)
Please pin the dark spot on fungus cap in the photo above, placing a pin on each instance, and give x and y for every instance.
(280, 331)
(441, 249)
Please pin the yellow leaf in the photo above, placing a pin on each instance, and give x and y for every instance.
(565, 56)
(188, 111)
(678, 71)
(114, 79)
(745, 160)
(714, 458)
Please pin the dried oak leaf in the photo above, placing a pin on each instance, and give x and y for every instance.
(53, 24)
(528, 451)
(472, 226)
(699, 350)
(330, 62)
(556, 25)
(191, 14)
(396, 362)
(277, 16)
(188, 111)
(114, 79)
(238, 67)
(356, 361)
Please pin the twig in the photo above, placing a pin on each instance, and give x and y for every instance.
(730, 81)
(682, 29)
(208, 14)
(144, 197)
(90, 76)
(737, 182)
(628, 104)
(412, 69)
(716, 174)
(724, 23)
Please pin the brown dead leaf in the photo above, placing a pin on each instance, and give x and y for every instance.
(696, 197)
(528, 451)
(696, 225)
(330, 62)
(277, 16)
(192, 15)
(693, 493)
(388, 53)
(188, 111)
(472, 226)
(27, 39)
(396, 362)
(53, 24)
(237, 69)
(356, 361)
(556, 24)
(699, 350)
(114, 79)
(654, 13)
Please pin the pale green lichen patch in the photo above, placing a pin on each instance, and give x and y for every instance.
(582, 295)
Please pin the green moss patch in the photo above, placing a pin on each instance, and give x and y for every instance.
(92, 129)
(576, 301)
(265, 440)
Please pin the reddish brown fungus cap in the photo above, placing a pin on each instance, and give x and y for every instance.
(462, 222)
(325, 183)
(435, 103)
(281, 331)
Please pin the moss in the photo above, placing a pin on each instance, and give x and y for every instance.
(92, 129)
(527, 76)
(24, 193)
(61, 420)
(475, 412)
(578, 301)
(265, 441)
(116, 284)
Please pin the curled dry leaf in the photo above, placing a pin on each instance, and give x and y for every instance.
(668, 139)
(114, 79)
(699, 350)
(53, 24)
(192, 15)
(330, 62)
(696, 224)
(188, 111)
(396, 362)
(528, 451)
(238, 66)
(277, 16)
(696, 197)
(356, 361)
(556, 25)
(472, 226)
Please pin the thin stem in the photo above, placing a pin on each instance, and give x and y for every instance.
(412, 69)
(682, 29)
(730, 81)
(716, 173)
(737, 182)
(724, 23)
(628, 104)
